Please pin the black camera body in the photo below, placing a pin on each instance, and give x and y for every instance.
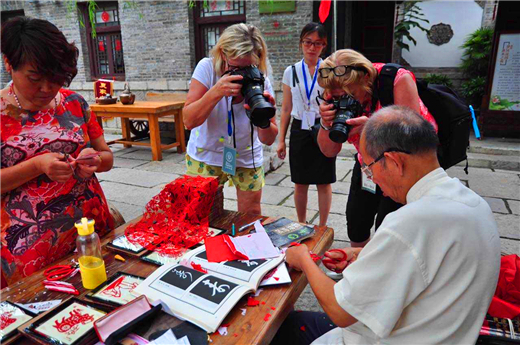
(347, 107)
(253, 91)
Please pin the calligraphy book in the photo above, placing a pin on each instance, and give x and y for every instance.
(284, 231)
(205, 298)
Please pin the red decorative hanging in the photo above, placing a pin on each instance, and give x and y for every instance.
(118, 45)
(177, 218)
(105, 16)
(276, 24)
(214, 5)
(324, 10)
(101, 46)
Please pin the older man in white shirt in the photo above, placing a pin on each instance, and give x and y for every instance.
(430, 271)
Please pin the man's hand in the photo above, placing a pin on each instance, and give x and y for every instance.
(295, 255)
(352, 254)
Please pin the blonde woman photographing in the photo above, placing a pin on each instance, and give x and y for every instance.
(229, 116)
(300, 88)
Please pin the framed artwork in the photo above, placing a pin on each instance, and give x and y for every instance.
(122, 244)
(12, 317)
(117, 290)
(71, 323)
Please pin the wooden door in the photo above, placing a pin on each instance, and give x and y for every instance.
(372, 29)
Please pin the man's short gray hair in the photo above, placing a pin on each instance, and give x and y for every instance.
(399, 128)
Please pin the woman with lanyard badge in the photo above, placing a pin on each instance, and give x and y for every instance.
(216, 114)
(308, 165)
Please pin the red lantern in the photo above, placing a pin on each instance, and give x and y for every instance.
(101, 46)
(105, 16)
(118, 45)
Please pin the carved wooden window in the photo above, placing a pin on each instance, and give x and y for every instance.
(211, 20)
(106, 49)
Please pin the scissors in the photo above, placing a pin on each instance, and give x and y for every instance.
(59, 272)
(331, 261)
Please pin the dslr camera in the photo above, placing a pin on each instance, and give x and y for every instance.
(347, 107)
(252, 90)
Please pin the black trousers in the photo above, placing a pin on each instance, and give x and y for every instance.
(362, 207)
(302, 328)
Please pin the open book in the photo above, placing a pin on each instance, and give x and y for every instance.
(205, 299)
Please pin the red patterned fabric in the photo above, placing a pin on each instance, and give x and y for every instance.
(38, 217)
(506, 302)
(424, 111)
(177, 218)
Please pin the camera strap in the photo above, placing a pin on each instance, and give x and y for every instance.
(231, 119)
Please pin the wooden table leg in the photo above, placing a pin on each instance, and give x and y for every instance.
(155, 137)
(125, 128)
(99, 120)
(179, 132)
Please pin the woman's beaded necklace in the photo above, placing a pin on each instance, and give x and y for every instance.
(18, 101)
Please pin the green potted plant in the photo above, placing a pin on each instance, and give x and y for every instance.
(475, 62)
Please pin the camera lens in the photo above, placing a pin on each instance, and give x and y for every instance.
(261, 110)
(339, 130)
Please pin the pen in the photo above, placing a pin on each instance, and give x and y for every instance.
(243, 227)
(233, 230)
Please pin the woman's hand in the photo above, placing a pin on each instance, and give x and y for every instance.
(226, 87)
(282, 150)
(327, 113)
(357, 125)
(87, 167)
(352, 255)
(267, 96)
(53, 165)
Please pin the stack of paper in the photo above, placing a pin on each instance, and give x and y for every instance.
(168, 338)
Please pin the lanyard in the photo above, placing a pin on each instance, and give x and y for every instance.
(308, 93)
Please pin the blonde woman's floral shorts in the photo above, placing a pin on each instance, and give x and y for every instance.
(246, 179)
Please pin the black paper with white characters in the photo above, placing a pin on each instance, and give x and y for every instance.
(245, 265)
(213, 289)
(181, 277)
(202, 255)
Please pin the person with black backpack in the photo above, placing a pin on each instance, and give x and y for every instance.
(349, 80)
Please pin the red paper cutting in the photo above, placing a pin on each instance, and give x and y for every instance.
(251, 302)
(302, 328)
(225, 325)
(235, 335)
(263, 303)
(221, 248)
(198, 267)
(177, 218)
(273, 308)
(101, 45)
(506, 301)
(267, 316)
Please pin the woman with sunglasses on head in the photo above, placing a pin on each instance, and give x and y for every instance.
(51, 147)
(308, 164)
(216, 114)
(349, 74)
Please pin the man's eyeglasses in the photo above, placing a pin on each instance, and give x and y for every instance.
(339, 70)
(309, 43)
(366, 169)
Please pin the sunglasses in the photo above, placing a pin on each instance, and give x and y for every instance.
(339, 70)
(367, 170)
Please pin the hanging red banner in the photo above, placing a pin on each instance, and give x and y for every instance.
(118, 45)
(324, 10)
(101, 45)
(105, 16)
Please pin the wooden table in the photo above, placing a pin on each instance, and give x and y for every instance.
(150, 111)
(251, 328)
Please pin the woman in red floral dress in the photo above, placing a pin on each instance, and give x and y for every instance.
(44, 130)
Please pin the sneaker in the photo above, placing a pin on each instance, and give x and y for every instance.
(334, 276)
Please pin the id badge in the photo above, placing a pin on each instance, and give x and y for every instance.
(229, 161)
(308, 118)
(367, 184)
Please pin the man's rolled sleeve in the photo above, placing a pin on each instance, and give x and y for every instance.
(387, 276)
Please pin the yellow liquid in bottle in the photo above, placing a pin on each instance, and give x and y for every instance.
(92, 271)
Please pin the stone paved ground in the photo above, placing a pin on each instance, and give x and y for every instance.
(135, 179)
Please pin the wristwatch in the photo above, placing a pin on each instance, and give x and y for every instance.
(323, 126)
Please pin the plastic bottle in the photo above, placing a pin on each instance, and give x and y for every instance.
(91, 264)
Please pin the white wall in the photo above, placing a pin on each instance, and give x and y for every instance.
(464, 17)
